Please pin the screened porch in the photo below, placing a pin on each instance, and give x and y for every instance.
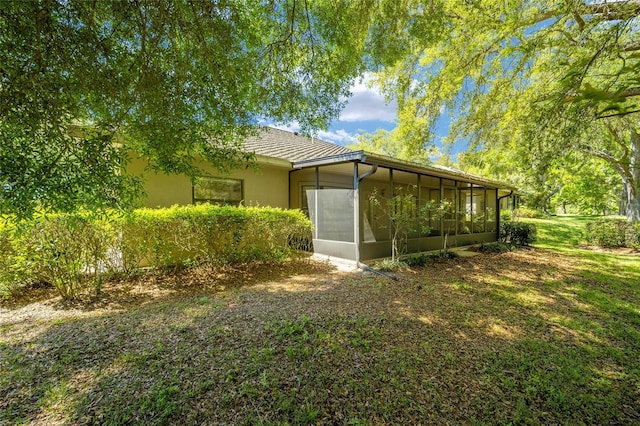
(346, 198)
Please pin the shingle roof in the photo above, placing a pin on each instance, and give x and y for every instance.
(296, 148)
(290, 146)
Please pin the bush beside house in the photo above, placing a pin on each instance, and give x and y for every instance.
(73, 251)
(518, 233)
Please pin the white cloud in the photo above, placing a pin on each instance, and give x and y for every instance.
(289, 127)
(367, 104)
(340, 137)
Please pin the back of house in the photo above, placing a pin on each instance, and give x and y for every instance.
(337, 188)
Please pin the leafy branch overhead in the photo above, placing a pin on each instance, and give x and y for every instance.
(166, 80)
(527, 82)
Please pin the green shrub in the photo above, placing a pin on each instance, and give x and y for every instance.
(73, 251)
(208, 234)
(422, 259)
(445, 255)
(526, 212)
(389, 265)
(417, 260)
(632, 236)
(495, 247)
(518, 233)
(66, 251)
(12, 265)
(506, 215)
(613, 233)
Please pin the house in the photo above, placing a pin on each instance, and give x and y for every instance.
(334, 186)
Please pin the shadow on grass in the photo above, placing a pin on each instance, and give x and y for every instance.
(522, 337)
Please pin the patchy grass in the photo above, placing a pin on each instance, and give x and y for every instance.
(543, 336)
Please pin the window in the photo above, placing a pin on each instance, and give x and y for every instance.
(217, 190)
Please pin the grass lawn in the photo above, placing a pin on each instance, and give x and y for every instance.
(543, 336)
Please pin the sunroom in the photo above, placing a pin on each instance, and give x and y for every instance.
(344, 196)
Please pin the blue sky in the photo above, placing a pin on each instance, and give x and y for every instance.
(366, 111)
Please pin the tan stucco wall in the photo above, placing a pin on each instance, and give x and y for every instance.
(268, 186)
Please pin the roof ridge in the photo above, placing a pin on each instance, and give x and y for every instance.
(291, 146)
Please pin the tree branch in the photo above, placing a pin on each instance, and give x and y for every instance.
(613, 161)
(628, 93)
(618, 11)
(618, 114)
(617, 139)
(311, 39)
(631, 47)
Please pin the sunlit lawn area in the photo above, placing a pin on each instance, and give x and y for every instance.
(543, 336)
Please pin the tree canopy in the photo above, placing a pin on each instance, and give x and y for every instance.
(84, 84)
(391, 144)
(540, 79)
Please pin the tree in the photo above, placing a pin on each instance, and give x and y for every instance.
(388, 142)
(404, 216)
(542, 79)
(585, 183)
(84, 84)
(592, 188)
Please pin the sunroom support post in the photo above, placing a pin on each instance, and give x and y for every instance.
(390, 197)
(471, 212)
(356, 211)
(315, 204)
(356, 204)
(418, 204)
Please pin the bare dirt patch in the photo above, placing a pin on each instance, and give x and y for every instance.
(43, 303)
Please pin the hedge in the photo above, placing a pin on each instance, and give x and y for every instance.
(613, 233)
(518, 233)
(72, 251)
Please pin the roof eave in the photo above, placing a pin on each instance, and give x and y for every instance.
(408, 166)
(272, 161)
(357, 156)
(393, 163)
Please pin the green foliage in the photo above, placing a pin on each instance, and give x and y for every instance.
(67, 251)
(518, 233)
(496, 247)
(389, 265)
(422, 259)
(417, 259)
(391, 144)
(186, 235)
(84, 83)
(613, 233)
(74, 251)
(526, 212)
(588, 186)
(532, 85)
(506, 215)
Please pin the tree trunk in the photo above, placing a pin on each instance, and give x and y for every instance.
(632, 182)
(633, 203)
(629, 169)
